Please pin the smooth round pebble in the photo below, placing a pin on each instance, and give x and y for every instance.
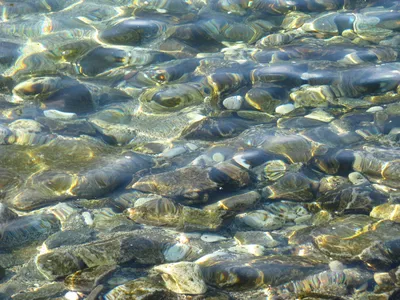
(56, 114)
(284, 109)
(212, 238)
(233, 103)
(374, 109)
(218, 157)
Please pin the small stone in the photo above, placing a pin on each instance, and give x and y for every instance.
(218, 157)
(382, 278)
(141, 288)
(6, 214)
(88, 218)
(239, 202)
(233, 103)
(183, 277)
(336, 266)
(386, 211)
(212, 238)
(262, 238)
(374, 109)
(284, 109)
(176, 252)
(312, 96)
(86, 280)
(26, 125)
(357, 178)
(320, 115)
(261, 220)
(60, 115)
(72, 296)
(143, 200)
(303, 219)
(169, 153)
(394, 131)
(67, 237)
(321, 217)
(253, 249)
(191, 146)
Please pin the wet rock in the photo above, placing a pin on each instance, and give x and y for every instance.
(292, 186)
(242, 272)
(27, 230)
(326, 284)
(230, 175)
(142, 288)
(233, 103)
(6, 214)
(183, 277)
(313, 96)
(212, 238)
(262, 238)
(260, 220)
(105, 220)
(119, 249)
(165, 212)
(191, 183)
(386, 211)
(329, 183)
(46, 290)
(210, 129)
(382, 255)
(289, 211)
(59, 115)
(284, 109)
(350, 200)
(253, 249)
(293, 148)
(68, 237)
(49, 186)
(236, 203)
(352, 246)
(87, 279)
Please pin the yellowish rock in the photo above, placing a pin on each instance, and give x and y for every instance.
(387, 211)
(183, 277)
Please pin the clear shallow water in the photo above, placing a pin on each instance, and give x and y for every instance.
(199, 149)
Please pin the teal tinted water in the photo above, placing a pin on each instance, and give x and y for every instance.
(202, 149)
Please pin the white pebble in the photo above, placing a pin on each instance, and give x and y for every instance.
(284, 109)
(394, 131)
(143, 200)
(374, 109)
(233, 103)
(212, 238)
(56, 114)
(320, 115)
(72, 296)
(191, 147)
(88, 218)
(173, 152)
(253, 249)
(336, 266)
(218, 157)
(357, 178)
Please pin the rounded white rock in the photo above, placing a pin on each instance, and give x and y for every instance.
(233, 103)
(212, 238)
(56, 114)
(72, 296)
(284, 109)
(374, 109)
(357, 178)
(218, 157)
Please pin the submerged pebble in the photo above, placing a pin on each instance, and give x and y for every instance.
(222, 149)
